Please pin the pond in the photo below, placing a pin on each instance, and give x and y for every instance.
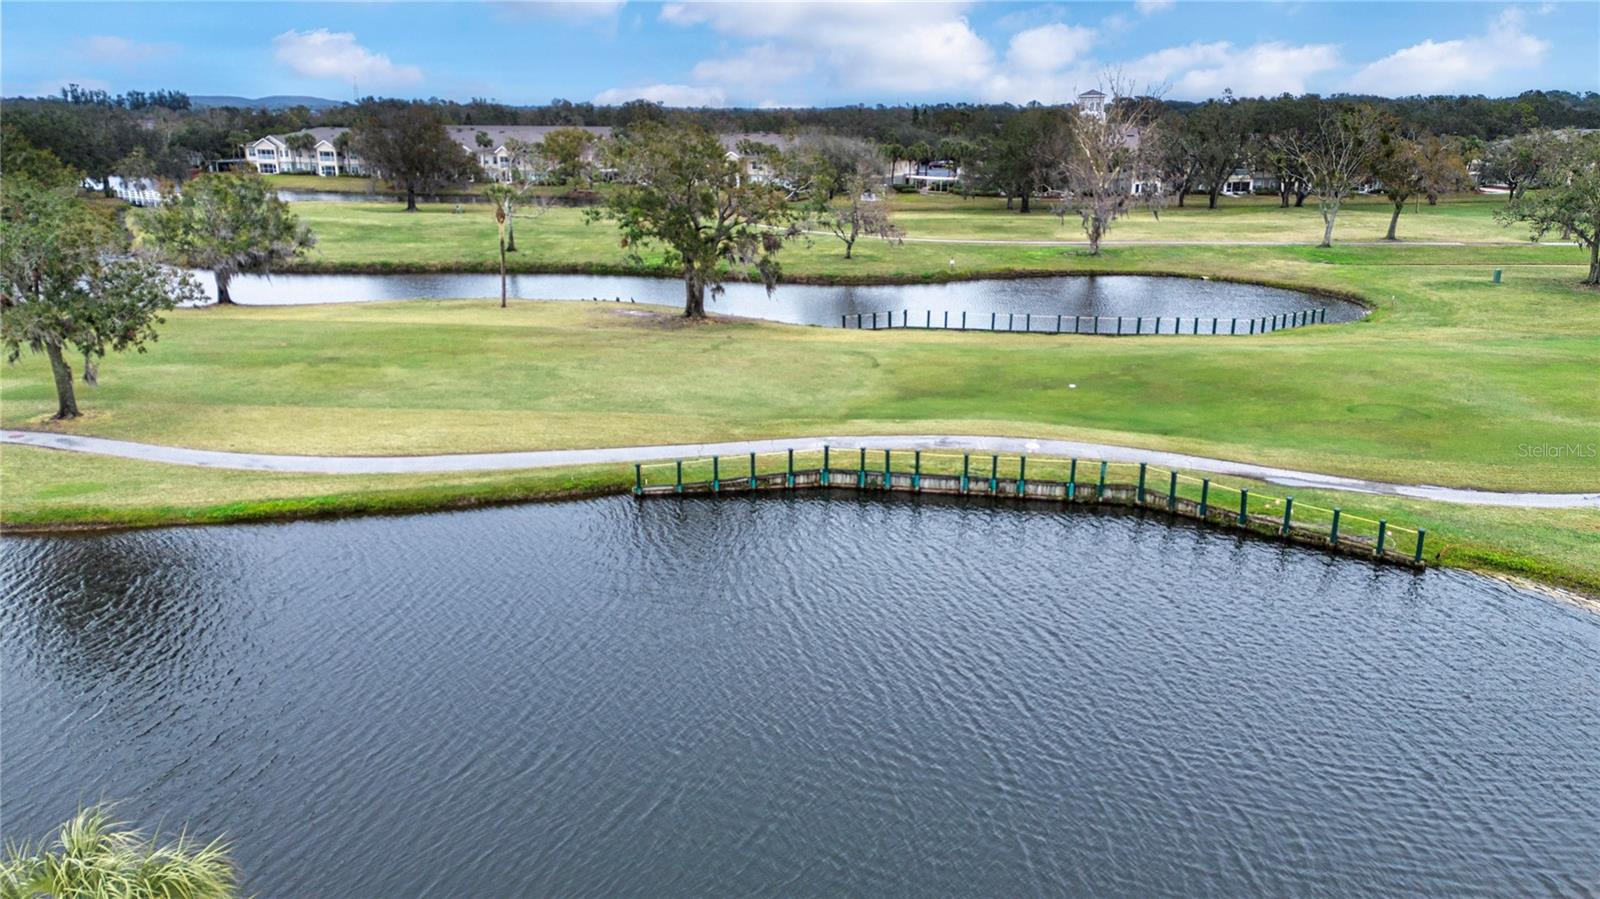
(1104, 296)
(802, 696)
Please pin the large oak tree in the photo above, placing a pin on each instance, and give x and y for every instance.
(67, 285)
(683, 191)
(227, 224)
(408, 144)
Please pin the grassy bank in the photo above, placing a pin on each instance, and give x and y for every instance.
(1452, 380)
(48, 490)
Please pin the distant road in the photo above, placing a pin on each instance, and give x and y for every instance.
(339, 465)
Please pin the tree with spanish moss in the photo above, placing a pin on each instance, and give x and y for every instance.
(68, 286)
(1570, 204)
(228, 224)
(408, 144)
(684, 193)
(1109, 152)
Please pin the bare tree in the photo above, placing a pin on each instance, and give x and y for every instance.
(844, 180)
(1334, 158)
(1107, 156)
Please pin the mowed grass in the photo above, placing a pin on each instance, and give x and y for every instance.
(384, 237)
(1466, 218)
(1454, 381)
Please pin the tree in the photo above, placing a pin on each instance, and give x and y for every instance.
(1026, 152)
(1444, 170)
(1571, 202)
(1517, 161)
(1334, 158)
(300, 142)
(95, 856)
(1175, 157)
(407, 143)
(228, 224)
(682, 191)
(567, 153)
(1107, 156)
(843, 178)
(1218, 132)
(504, 199)
(1397, 166)
(64, 284)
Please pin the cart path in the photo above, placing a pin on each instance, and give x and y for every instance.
(337, 465)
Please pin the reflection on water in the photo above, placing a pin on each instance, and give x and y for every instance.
(1045, 298)
(802, 696)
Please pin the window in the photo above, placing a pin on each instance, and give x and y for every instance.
(266, 153)
(268, 168)
(325, 155)
(328, 171)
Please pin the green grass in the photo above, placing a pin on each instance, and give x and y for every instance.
(45, 490)
(1452, 380)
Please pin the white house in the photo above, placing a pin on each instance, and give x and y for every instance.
(490, 145)
(272, 155)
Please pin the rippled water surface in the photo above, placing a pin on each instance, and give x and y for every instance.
(802, 696)
(1106, 296)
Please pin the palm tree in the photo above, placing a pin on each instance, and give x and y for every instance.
(94, 856)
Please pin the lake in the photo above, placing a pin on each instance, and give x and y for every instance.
(1105, 296)
(802, 696)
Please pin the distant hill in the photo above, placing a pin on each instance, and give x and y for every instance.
(272, 103)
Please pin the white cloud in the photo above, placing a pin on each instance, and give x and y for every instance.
(665, 94)
(759, 65)
(1437, 67)
(1151, 7)
(335, 54)
(567, 10)
(1198, 71)
(921, 47)
(120, 51)
(1049, 47)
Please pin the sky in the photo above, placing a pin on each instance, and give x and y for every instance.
(798, 54)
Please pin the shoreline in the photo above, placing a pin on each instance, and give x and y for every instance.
(1572, 588)
(661, 273)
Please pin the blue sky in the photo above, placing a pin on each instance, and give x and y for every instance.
(750, 54)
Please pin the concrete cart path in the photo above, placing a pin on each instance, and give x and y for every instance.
(336, 465)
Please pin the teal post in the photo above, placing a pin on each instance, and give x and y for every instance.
(1119, 326)
(716, 476)
(1022, 477)
(1233, 326)
(916, 471)
(966, 469)
(1072, 480)
(1288, 512)
(1141, 483)
(994, 474)
(1172, 492)
(1333, 533)
(861, 470)
(823, 476)
(1421, 533)
(752, 471)
(1497, 276)
(638, 478)
(789, 472)
(1244, 505)
(1205, 496)
(888, 477)
(1383, 533)
(1101, 492)
(680, 475)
